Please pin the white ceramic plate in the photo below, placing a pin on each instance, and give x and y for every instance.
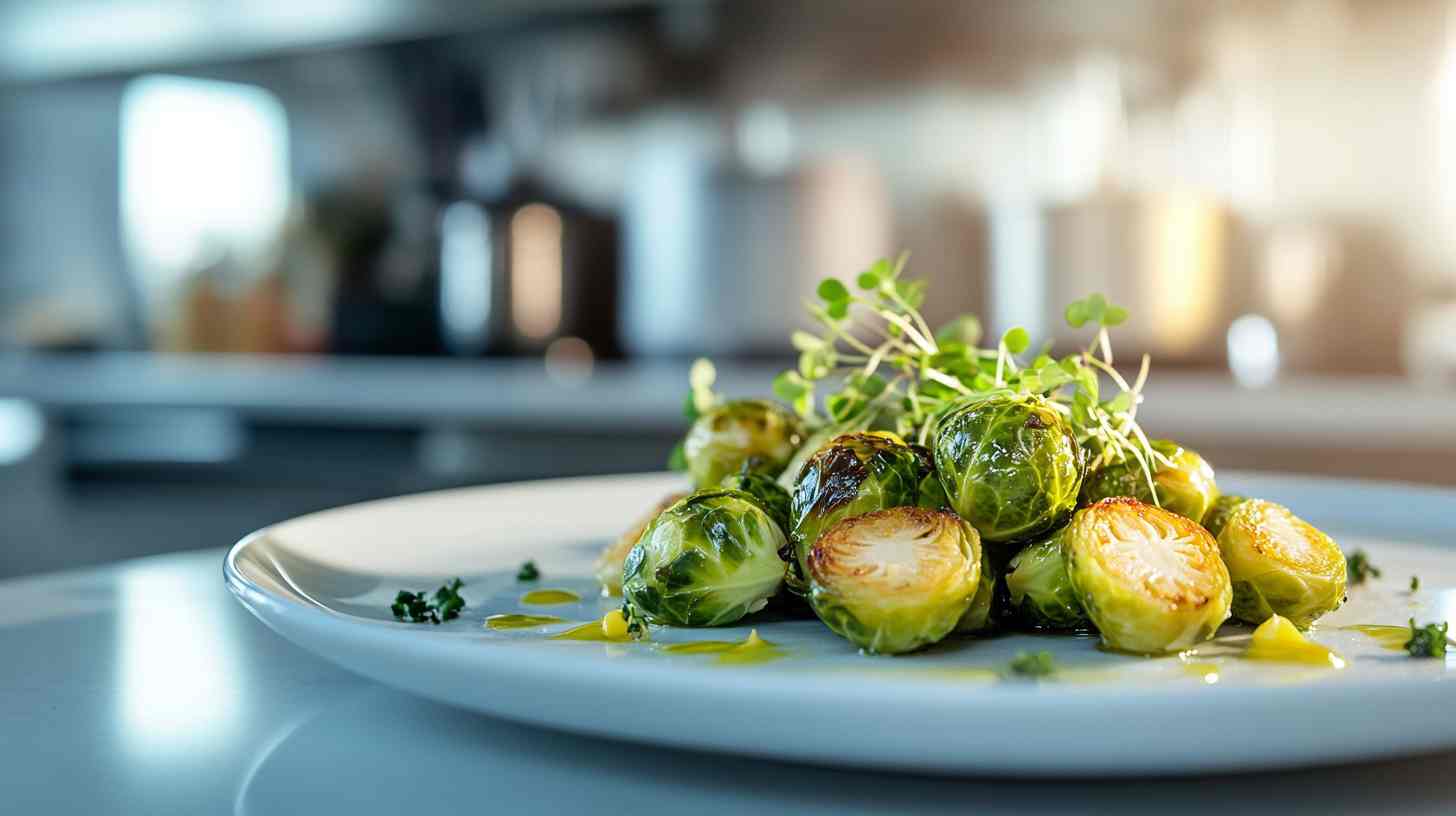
(325, 582)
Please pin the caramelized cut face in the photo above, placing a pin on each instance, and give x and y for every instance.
(895, 580)
(1167, 556)
(889, 552)
(1150, 580)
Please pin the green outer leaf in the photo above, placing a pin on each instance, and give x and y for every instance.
(721, 440)
(1011, 466)
(707, 560)
(1186, 487)
(1040, 590)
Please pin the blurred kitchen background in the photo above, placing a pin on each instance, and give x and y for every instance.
(259, 258)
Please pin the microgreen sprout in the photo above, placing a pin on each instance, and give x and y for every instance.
(876, 358)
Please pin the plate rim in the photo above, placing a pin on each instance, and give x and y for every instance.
(298, 621)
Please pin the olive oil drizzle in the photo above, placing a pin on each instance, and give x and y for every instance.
(549, 597)
(516, 621)
(749, 651)
(1392, 638)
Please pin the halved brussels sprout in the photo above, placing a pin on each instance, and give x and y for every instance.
(723, 439)
(852, 475)
(765, 491)
(979, 619)
(1040, 589)
(894, 580)
(1151, 580)
(1280, 565)
(708, 560)
(1186, 488)
(608, 567)
(1217, 515)
(1011, 466)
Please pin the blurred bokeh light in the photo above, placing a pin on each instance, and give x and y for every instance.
(259, 258)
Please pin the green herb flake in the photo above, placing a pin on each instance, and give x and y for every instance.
(528, 572)
(418, 607)
(1359, 568)
(1415, 583)
(1428, 640)
(1033, 664)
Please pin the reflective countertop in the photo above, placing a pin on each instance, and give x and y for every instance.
(142, 687)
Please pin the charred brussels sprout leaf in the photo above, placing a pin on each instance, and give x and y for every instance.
(766, 491)
(1186, 487)
(1040, 589)
(1280, 565)
(608, 567)
(1011, 466)
(1217, 515)
(894, 580)
(1150, 580)
(723, 439)
(708, 560)
(852, 475)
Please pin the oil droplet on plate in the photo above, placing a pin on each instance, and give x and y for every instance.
(592, 631)
(514, 621)
(1207, 672)
(751, 650)
(1393, 638)
(548, 597)
(1279, 641)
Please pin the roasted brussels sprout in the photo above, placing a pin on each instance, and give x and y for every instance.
(979, 619)
(723, 439)
(1217, 515)
(894, 580)
(1150, 580)
(1187, 487)
(764, 490)
(608, 567)
(1011, 466)
(852, 475)
(708, 560)
(812, 445)
(1280, 565)
(930, 493)
(1040, 590)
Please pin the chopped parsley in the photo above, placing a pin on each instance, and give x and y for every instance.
(1028, 664)
(1428, 640)
(419, 607)
(1359, 568)
(528, 572)
(1415, 583)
